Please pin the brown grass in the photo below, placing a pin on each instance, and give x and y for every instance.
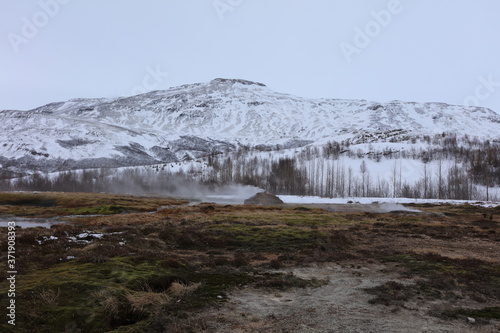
(110, 303)
(49, 204)
(146, 301)
(179, 289)
(458, 254)
(50, 296)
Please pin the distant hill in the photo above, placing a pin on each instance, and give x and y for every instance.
(196, 120)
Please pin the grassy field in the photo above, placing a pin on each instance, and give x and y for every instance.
(140, 264)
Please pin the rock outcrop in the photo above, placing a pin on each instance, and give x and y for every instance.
(263, 198)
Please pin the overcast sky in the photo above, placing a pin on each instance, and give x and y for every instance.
(382, 50)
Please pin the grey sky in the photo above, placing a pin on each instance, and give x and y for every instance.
(424, 50)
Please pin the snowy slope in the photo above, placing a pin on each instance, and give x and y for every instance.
(194, 120)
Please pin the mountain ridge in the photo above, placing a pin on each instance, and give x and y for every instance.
(195, 120)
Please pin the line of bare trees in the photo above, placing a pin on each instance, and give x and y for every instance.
(448, 167)
(462, 168)
(137, 180)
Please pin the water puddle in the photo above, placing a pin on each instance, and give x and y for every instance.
(24, 222)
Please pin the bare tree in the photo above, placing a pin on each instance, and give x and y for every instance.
(363, 169)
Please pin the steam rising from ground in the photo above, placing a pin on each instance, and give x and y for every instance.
(372, 205)
(138, 181)
(227, 194)
(391, 206)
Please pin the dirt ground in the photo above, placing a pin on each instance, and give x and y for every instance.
(340, 306)
(343, 305)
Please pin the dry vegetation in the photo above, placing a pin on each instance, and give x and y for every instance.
(50, 204)
(142, 268)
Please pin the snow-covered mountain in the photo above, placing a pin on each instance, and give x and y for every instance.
(198, 119)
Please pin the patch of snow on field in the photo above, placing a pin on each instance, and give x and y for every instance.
(293, 199)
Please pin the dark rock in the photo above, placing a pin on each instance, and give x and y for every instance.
(245, 82)
(164, 154)
(263, 198)
(68, 144)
